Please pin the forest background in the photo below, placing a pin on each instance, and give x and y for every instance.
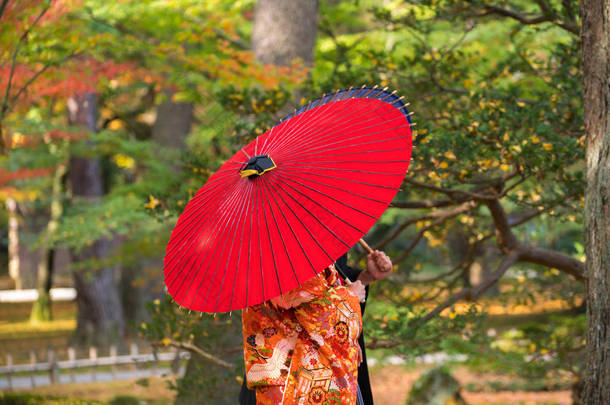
(113, 114)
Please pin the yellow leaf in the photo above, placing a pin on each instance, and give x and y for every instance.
(166, 341)
(152, 202)
(534, 139)
(506, 137)
(504, 167)
(547, 146)
(124, 161)
(450, 155)
(116, 124)
(444, 165)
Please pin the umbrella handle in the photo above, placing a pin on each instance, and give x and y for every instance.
(365, 246)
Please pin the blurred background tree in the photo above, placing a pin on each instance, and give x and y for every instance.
(161, 93)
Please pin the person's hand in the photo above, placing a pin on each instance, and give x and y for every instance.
(378, 267)
(358, 289)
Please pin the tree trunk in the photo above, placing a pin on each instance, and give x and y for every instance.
(595, 31)
(173, 123)
(100, 314)
(284, 30)
(31, 220)
(13, 242)
(170, 129)
(41, 310)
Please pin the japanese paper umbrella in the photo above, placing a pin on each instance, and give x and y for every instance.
(288, 204)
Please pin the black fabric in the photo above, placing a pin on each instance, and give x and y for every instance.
(364, 381)
(248, 396)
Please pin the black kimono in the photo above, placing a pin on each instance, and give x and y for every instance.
(248, 397)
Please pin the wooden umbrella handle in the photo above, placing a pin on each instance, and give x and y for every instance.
(365, 246)
(368, 250)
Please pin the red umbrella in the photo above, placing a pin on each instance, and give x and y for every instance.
(288, 204)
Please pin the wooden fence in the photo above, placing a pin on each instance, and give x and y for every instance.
(53, 365)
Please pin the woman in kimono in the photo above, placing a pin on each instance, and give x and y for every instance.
(303, 347)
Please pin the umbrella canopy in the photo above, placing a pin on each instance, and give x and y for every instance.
(288, 204)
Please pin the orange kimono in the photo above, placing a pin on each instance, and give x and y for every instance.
(307, 354)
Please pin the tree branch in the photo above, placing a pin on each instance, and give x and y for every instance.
(452, 193)
(2, 7)
(465, 263)
(554, 259)
(473, 293)
(508, 243)
(506, 239)
(422, 204)
(41, 71)
(194, 349)
(23, 37)
(435, 214)
(547, 16)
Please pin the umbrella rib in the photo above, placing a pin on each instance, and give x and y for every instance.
(271, 192)
(323, 144)
(265, 183)
(289, 133)
(316, 218)
(295, 156)
(249, 255)
(335, 187)
(340, 130)
(238, 257)
(192, 222)
(219, 219)
(239, 217)
(319, 192)
(321, 119)
(277, 276)
(194, 262)
(347, 161)
(308, 231)
(241, 240)
(325, 116)
(345, 170)
(224, 245)
(269, 138)
(192, 227)
(260, 247)
(359, 151)
(330, 125)
(354, 181)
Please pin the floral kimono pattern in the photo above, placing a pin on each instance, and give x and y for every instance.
(309, 353)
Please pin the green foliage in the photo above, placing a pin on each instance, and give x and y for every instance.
(124, 400)
(499, 111)
(30, 399)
